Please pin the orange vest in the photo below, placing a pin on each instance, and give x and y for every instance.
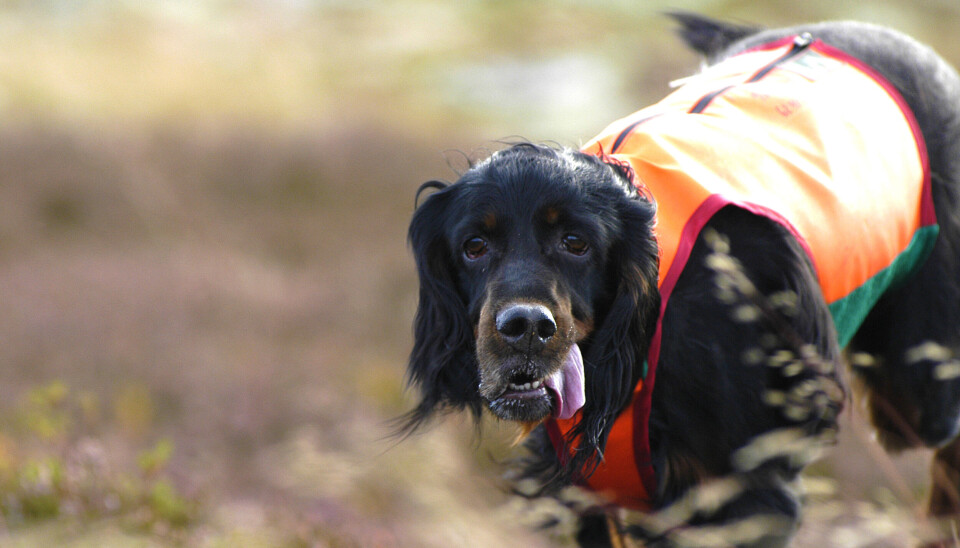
(765, 131)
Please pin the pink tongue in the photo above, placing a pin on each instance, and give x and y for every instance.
(567, 385)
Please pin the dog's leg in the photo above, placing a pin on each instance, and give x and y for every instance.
(911, 338)
(913, 401)
(904, 349)
(595, 532)
(603, 531)
(945, 484)
(723, 364)
(906, 353)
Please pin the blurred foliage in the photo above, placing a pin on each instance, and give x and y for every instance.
(64, 468)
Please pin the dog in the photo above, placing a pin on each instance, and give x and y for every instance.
(683, 286)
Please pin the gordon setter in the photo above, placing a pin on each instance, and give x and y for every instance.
(682, 288)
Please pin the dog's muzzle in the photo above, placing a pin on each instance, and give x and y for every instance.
(526, 327)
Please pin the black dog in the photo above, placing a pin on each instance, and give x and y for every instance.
(543, 296)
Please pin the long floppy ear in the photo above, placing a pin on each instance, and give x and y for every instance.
(614, 358)
(442, 363)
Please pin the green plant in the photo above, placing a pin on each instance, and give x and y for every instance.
(61, 468)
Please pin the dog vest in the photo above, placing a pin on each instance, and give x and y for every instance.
(795, 131)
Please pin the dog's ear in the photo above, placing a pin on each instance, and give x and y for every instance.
(617, 349)
(442, 363)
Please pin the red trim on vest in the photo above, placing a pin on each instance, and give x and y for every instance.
(642, 399)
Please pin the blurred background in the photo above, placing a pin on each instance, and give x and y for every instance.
(205, 288)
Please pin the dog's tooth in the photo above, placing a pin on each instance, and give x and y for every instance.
(525, 386)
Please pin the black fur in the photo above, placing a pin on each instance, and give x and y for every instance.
(613, 287)
(442, 362)
(499, 236)
(928, 307)
(709, 37)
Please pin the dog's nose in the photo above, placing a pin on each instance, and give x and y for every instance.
(526, 327)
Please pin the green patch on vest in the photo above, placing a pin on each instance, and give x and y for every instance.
(849, 312)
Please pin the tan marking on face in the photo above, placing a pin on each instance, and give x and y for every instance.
(524, 430)
(573, 329)
(489, 348)
(490, 221)
(493, 351)
(551, 215)
(583, 329)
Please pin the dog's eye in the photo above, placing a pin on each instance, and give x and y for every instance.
(474, 248)
(574, 244)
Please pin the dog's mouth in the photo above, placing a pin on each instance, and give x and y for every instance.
(526, 389)
(560, 394)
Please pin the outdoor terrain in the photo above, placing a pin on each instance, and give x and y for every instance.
(204, 279)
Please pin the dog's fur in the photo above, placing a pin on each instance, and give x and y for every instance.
(531, 208)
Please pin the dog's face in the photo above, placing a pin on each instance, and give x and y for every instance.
(537, 287)
(529, 252)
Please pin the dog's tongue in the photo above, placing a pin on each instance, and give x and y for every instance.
(567, 385)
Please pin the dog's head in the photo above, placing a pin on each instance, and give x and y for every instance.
(538, 290)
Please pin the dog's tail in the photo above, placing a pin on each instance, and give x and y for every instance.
(709, 36)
